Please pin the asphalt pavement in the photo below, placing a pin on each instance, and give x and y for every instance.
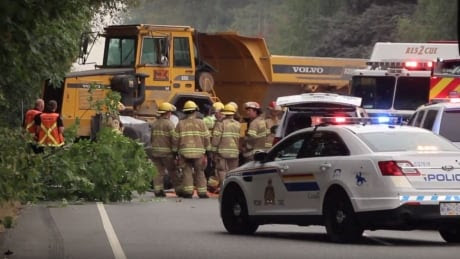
(171, 227)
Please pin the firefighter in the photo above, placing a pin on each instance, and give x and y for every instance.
(191, 142)
(162, 155)
(213, 115)
(49, 126)
(225, 144)
(257, 131)
(29, 122)
(272, 120)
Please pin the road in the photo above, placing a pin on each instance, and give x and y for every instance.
(177, 228)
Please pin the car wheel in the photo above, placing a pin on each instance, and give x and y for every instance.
(234, 213)
(451, 235)
(340, 218)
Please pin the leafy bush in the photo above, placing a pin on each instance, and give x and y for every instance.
(108, 169)
(19, 167)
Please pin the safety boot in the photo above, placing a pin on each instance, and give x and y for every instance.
(203, 195)
(160, 193)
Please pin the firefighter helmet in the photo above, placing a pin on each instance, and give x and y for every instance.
(229, 109)
(166, 107)
(252, 105)
(218, 106)
(190, 106)
(234, 105)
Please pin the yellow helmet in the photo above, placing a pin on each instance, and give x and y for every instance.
(229, 109)
(166, 107)
(234, 105)
(190, 106)
(218, 106)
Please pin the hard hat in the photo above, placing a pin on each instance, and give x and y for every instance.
(274, 107)
(229, 109)
(166, 107)
(253, 105)
(190, 106)
(234, 105)
(218, 106)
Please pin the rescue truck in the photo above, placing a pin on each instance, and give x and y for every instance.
(397, 79)
(151, 64)
(445, 79)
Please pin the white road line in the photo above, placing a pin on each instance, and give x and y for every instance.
(110, 232)
(377, 240)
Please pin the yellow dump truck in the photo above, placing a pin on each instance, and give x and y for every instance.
(150, 64)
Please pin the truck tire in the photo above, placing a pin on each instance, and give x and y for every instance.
(340, 219)
(206, 82)
(234, 212)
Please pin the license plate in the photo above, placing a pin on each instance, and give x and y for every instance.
(449, 208)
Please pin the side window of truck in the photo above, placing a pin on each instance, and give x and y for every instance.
(418, 119)
(182, 52)
(429, 119)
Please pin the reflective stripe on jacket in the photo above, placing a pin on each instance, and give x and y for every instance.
(255, 137)
(29, 121)
(49, 134)
(191, 138)
(225, 138)
(162, 136)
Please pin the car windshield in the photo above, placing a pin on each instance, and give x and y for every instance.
(376, 91)
(411, 92)
(449, 125)
(405, 141)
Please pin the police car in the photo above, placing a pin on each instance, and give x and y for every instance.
(349, 178)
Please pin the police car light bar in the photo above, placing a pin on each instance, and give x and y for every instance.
(390, 120)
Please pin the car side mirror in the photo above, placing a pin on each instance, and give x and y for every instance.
(260, 156)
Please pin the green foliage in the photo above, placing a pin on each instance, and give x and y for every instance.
(331, 28)
(432, 20)
(107, 170)
(19, 167)
(40, 40)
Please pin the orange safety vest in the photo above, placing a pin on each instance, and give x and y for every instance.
(29, 121)
(49, 133)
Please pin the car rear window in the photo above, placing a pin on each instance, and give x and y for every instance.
(299, 117)
(450, 122)
(405, 141)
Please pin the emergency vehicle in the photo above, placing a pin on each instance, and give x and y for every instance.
(397, 79)
(445, 79)
(442, 116)
(349, 178)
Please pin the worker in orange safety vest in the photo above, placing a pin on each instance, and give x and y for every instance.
(49, 126)
(29, 122)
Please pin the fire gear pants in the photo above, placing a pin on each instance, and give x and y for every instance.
(163, 164)
(223, 165)
(193, 175)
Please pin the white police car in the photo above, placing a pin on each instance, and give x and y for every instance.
(349, 178)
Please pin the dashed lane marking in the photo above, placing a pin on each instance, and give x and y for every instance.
(110, 232)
